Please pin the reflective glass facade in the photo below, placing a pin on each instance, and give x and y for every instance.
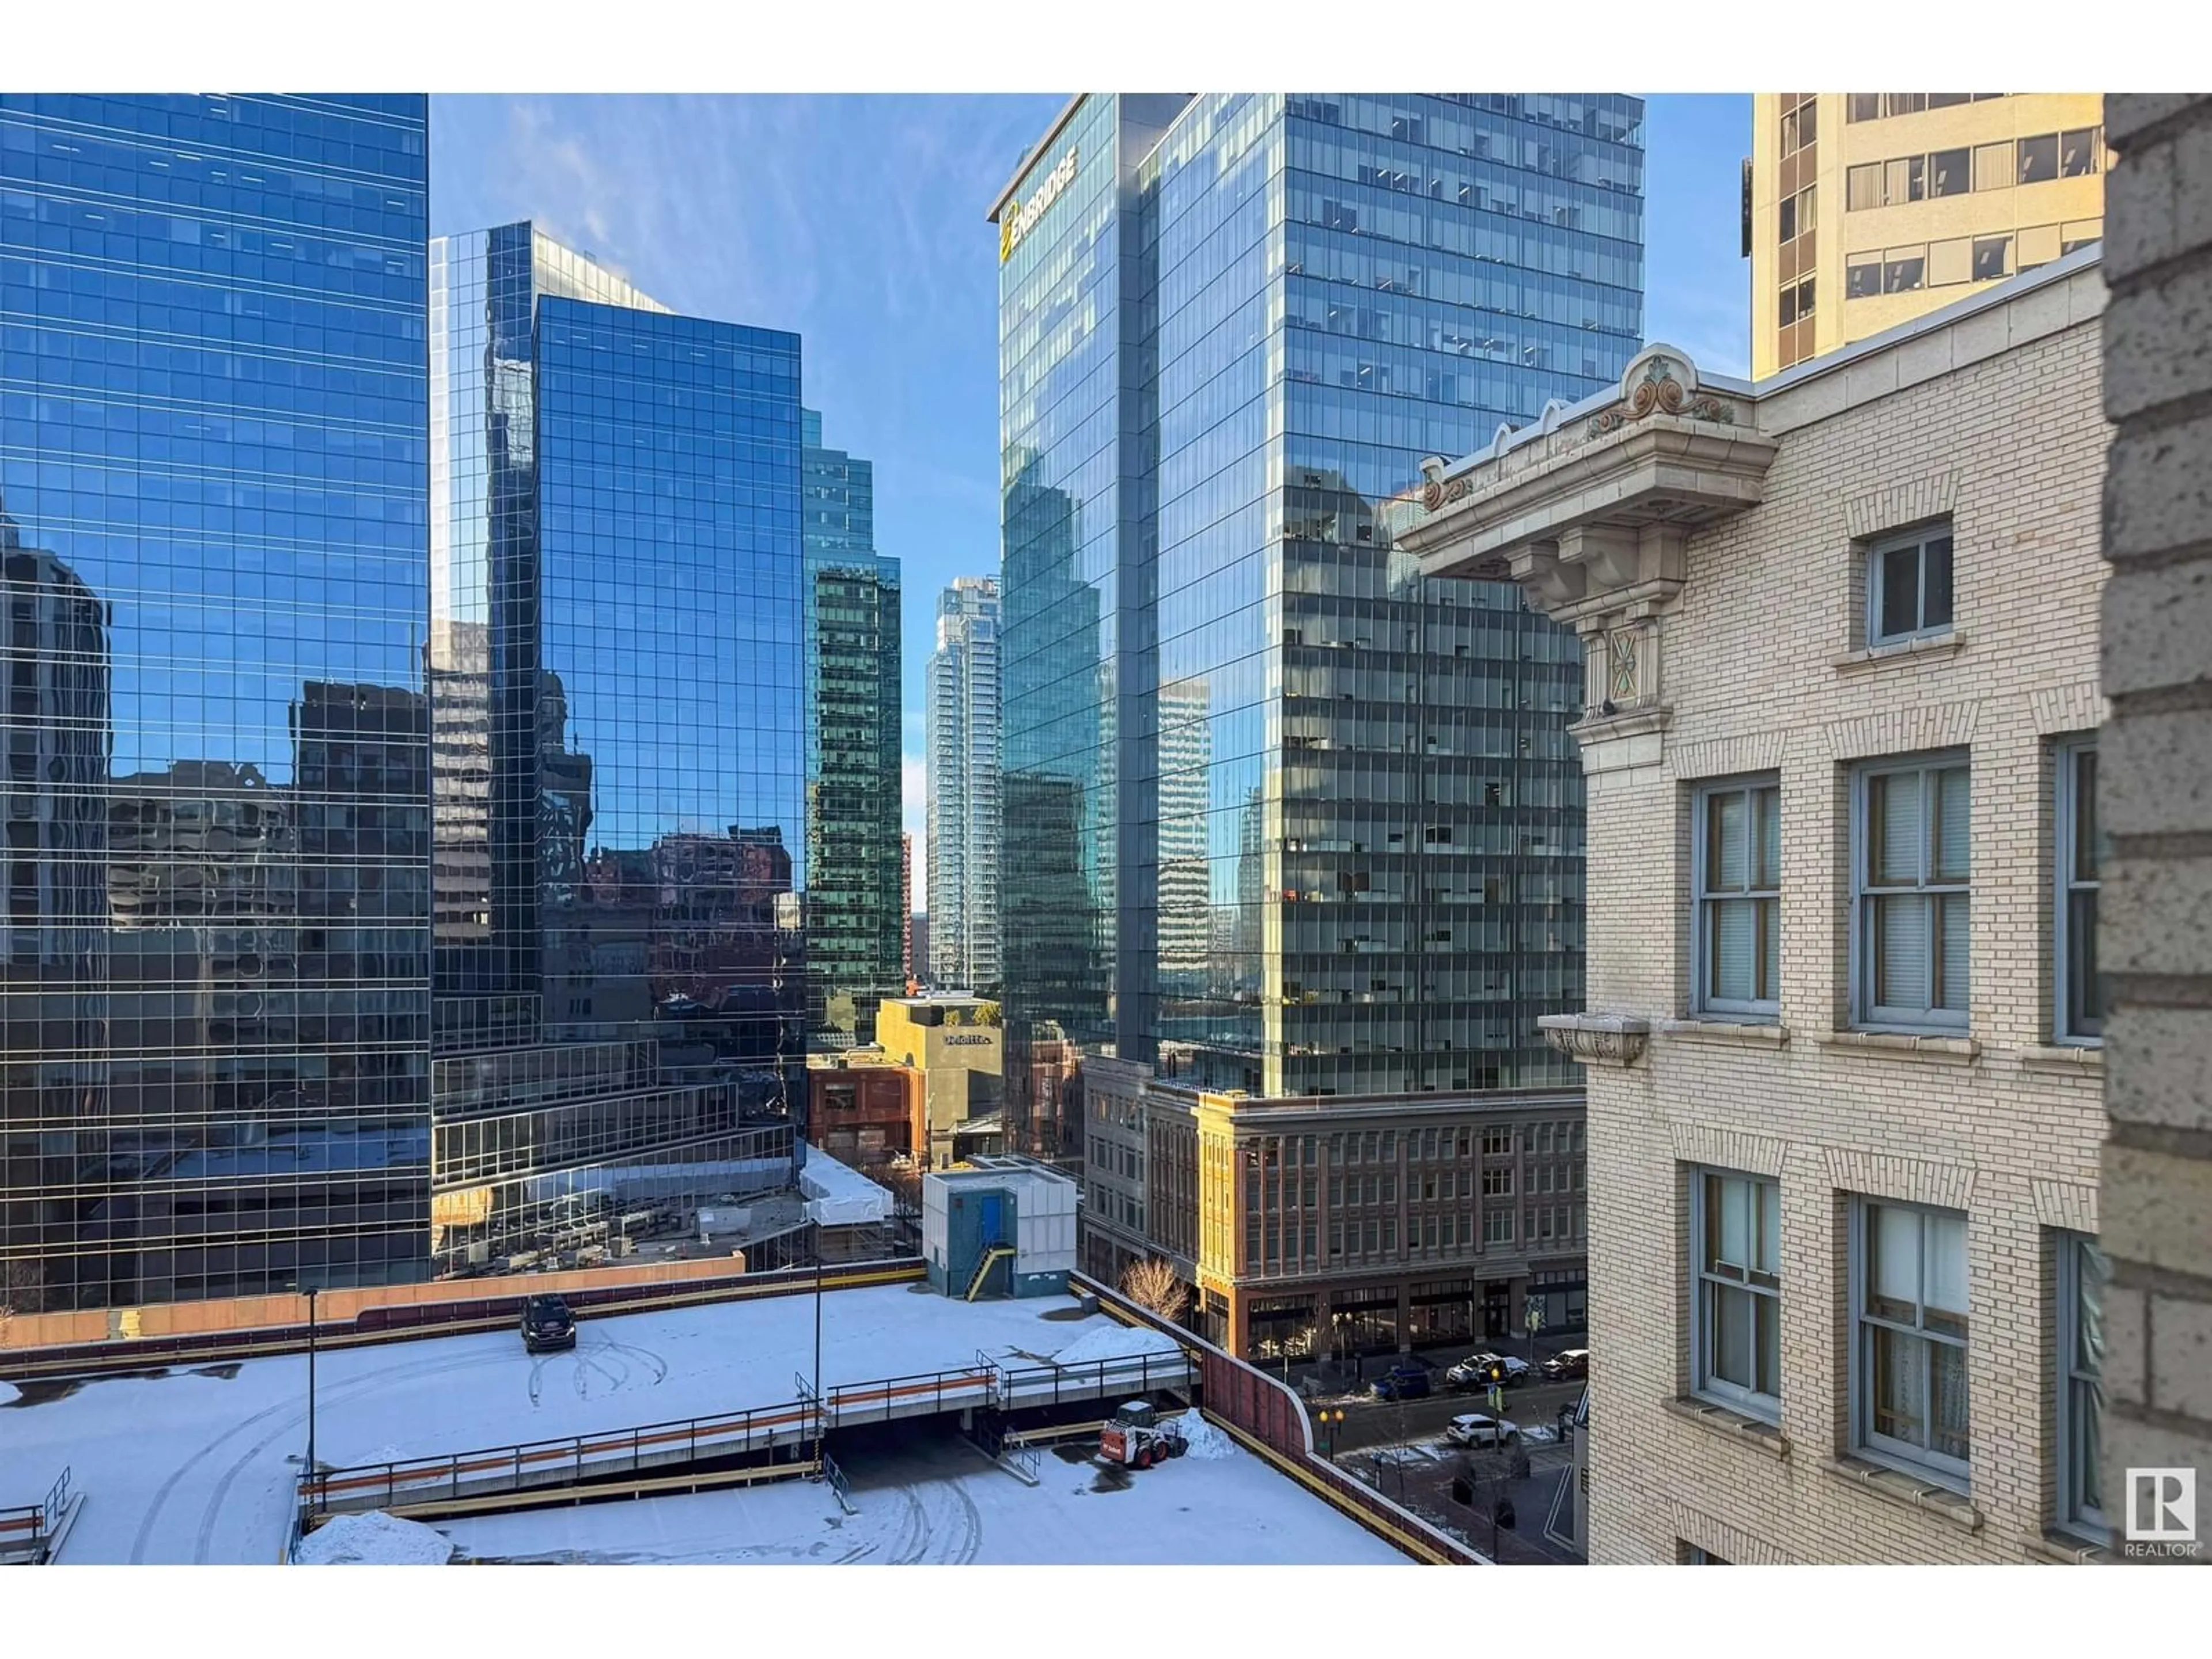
(215, 990)
(856, 913)
(1281, 814)
(616, 672)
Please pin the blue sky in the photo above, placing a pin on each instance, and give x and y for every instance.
(858, 222)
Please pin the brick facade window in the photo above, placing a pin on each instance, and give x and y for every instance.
(1909, 585)
(1910, 894)
(1737, 943)
(1909, 1338)
(2080, 1368)
(1735, 1305)
(2079, 1003)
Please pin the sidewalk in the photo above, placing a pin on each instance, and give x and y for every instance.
(1425, 1488)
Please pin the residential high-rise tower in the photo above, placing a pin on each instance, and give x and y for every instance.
(961, 738)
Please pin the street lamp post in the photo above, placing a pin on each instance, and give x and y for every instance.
(820, 1406)
(312, 1292)
(1332, 1428)
(1533, 1316)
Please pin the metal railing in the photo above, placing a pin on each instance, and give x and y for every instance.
(28, 1529)
(838, 1486)
(571, 1461)
(576, 1460)
(1050, 1384)
(907, 1396)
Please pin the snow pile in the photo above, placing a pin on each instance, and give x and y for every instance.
(9, 1394)
(1115, 1342)
(1537, 1434)
(1202, 1439)
(374, 1539)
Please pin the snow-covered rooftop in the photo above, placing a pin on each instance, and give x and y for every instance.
(198, 1464)
(937, 1501)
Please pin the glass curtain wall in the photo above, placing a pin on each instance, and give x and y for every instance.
(618, 672)
(1281, 814)
(855, 914)
(215, 992)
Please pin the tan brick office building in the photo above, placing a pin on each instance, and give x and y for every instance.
(1341, 1224)
(1842, 1039)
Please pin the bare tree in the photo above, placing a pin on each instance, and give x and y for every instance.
(1151, 1284)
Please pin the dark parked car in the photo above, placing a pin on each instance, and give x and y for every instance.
(1402, 1382)
(1573, 1363)
(547, 1323)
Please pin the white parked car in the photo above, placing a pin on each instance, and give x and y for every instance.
(1474, 1429)
(1474, 1371)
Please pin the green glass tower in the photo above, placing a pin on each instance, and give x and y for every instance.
(855, 910)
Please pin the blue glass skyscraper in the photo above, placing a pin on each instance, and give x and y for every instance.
(1280, 814)
(616, 666)
(214, 1000)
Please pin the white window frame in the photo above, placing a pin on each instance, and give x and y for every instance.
(1866, 1014)
(2072, 954)
(1704, 903)
(1876, 562)
(1706, 1284)
(1940, 1467)
(2077, 1441)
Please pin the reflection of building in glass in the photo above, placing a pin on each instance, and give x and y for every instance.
(55, 727)
(216, 1056)
(1058, 849)
(1186, 913)
(1235, 329)
(458, 675)
(855, 916)
(616, 506)
(961, 735)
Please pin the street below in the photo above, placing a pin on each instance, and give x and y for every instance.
(1369, 1422)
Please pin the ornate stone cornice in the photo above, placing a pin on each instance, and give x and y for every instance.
(1590, 517)
(1596, 1039)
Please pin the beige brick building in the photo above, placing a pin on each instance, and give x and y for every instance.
(2157, 942)
(1842, 1040)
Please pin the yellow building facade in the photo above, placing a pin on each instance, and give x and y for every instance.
(955, 1042)
(1868, 209)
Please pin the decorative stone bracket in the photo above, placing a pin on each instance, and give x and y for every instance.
(1596, 1039)
(1592, 520)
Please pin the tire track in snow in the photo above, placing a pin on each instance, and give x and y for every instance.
(219, 1499)
(659, 1365)
(913, 1536)
(167, 1488)
(971, 1528)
